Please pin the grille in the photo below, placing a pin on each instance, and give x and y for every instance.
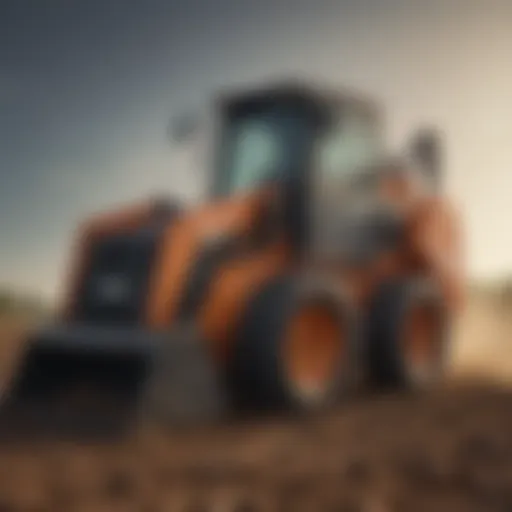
(115, 286)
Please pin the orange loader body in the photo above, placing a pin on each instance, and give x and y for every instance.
(225, 267)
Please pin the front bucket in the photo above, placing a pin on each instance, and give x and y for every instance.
(76, 383)
(96, 381)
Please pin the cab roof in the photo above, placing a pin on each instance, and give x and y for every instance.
(301, 91)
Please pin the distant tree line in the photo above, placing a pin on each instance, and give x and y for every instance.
(506, 292)
(6, 301)
(11, 302)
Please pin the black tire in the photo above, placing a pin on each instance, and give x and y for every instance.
(258, 379)
(388, 364)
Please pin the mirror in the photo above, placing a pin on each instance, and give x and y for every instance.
(189, 139)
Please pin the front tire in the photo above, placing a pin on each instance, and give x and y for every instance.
(296, 347)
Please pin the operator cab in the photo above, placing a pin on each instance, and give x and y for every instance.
(317, 148)
(308, 143)
(283, 132)
(323, 151)
(290, 132)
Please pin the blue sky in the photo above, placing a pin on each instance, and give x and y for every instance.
(87, 88)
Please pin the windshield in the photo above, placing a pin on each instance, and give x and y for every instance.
(261, 145)
(347, 151)
(349, 147)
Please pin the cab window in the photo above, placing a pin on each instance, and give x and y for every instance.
(349, 146)
(261, 144)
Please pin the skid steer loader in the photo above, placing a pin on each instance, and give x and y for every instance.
(317, 264)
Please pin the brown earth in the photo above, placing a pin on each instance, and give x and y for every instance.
(450, 450)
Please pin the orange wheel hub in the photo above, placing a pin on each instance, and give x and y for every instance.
(313, 344)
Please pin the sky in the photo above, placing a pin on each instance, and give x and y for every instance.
(87, 89)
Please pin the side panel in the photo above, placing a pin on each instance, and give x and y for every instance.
(429, 240)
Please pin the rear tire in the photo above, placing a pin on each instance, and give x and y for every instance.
(401, 356)
(262, 372)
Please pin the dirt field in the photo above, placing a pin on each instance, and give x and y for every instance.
(451, 450)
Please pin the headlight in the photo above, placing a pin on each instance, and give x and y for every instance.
(113, 288)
